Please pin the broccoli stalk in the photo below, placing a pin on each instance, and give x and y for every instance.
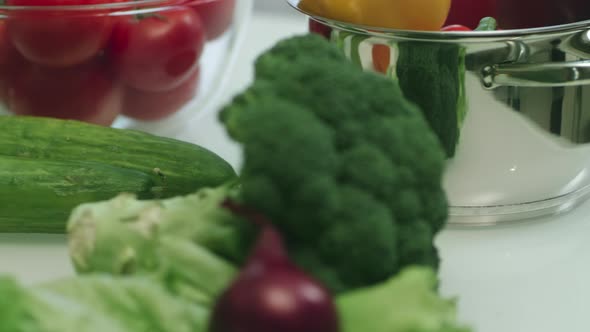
(405, 303)
(96, 304)
(185, 242)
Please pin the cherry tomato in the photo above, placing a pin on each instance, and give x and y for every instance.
(58, 38)
(158, 52)
(150, 106)
(381, 57)
(320, 28)
(86, 92)
(469, 12)
(455, 27)
(7, 50)
(217, 15)
(10, 62)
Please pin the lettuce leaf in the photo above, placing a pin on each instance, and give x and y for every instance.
(407, 302)
(97, 303)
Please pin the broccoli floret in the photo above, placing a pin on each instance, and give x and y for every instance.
(186, 242)
(366, 232)
(292, 49)
(341, 162)
(96, 303)
(407, 302)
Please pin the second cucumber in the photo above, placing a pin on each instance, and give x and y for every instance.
(177, 167)
(38, 195)
(49, 166)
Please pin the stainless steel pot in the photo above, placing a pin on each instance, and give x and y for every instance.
(523, 150)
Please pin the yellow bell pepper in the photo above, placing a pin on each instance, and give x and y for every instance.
(392, 14)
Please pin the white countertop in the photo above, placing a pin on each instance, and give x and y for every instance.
(533, 276)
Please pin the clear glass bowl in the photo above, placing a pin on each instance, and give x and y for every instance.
(144, 64)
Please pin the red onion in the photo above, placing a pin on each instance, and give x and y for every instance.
(271, 294)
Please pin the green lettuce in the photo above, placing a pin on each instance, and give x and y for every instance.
(407, 302)
(96, 303)
(187, 243)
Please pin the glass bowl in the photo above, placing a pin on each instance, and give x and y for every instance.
(511, 108)
(147, 64)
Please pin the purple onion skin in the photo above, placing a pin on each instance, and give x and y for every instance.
(273, 295)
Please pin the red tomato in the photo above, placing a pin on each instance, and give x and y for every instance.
(58, 38)
(86, 92)
(381, 57)
(455, 27)
(158, 53)
(319, 28)
(150, 106)
(7, 50)
(10, 62)
(217, 15)
(470, 12)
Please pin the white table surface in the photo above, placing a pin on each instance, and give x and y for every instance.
(531, 277)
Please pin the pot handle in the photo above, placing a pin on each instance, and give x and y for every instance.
(537, 75)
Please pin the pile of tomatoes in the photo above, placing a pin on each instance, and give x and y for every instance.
(67, 61)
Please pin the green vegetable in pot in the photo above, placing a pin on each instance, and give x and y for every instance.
(487, 24)
(406, 303)
(336, 157)
(432, 75)
(96, 304)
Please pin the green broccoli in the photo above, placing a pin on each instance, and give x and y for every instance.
(346, 167)
(292, 49)
(187, 243)
(97, 303)
(405, 303)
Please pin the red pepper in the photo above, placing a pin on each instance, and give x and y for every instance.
(319, 28)
(381, 58)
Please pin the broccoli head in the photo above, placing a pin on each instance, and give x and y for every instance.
(347, 168)
(186, 242)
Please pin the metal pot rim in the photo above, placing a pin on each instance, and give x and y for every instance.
(445, 36)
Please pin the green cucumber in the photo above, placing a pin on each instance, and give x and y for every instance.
(38, 195)
(176, 167)
(432, 75)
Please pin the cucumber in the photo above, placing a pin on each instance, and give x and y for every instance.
(38, 195)
(432, 75)
(176, 167)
